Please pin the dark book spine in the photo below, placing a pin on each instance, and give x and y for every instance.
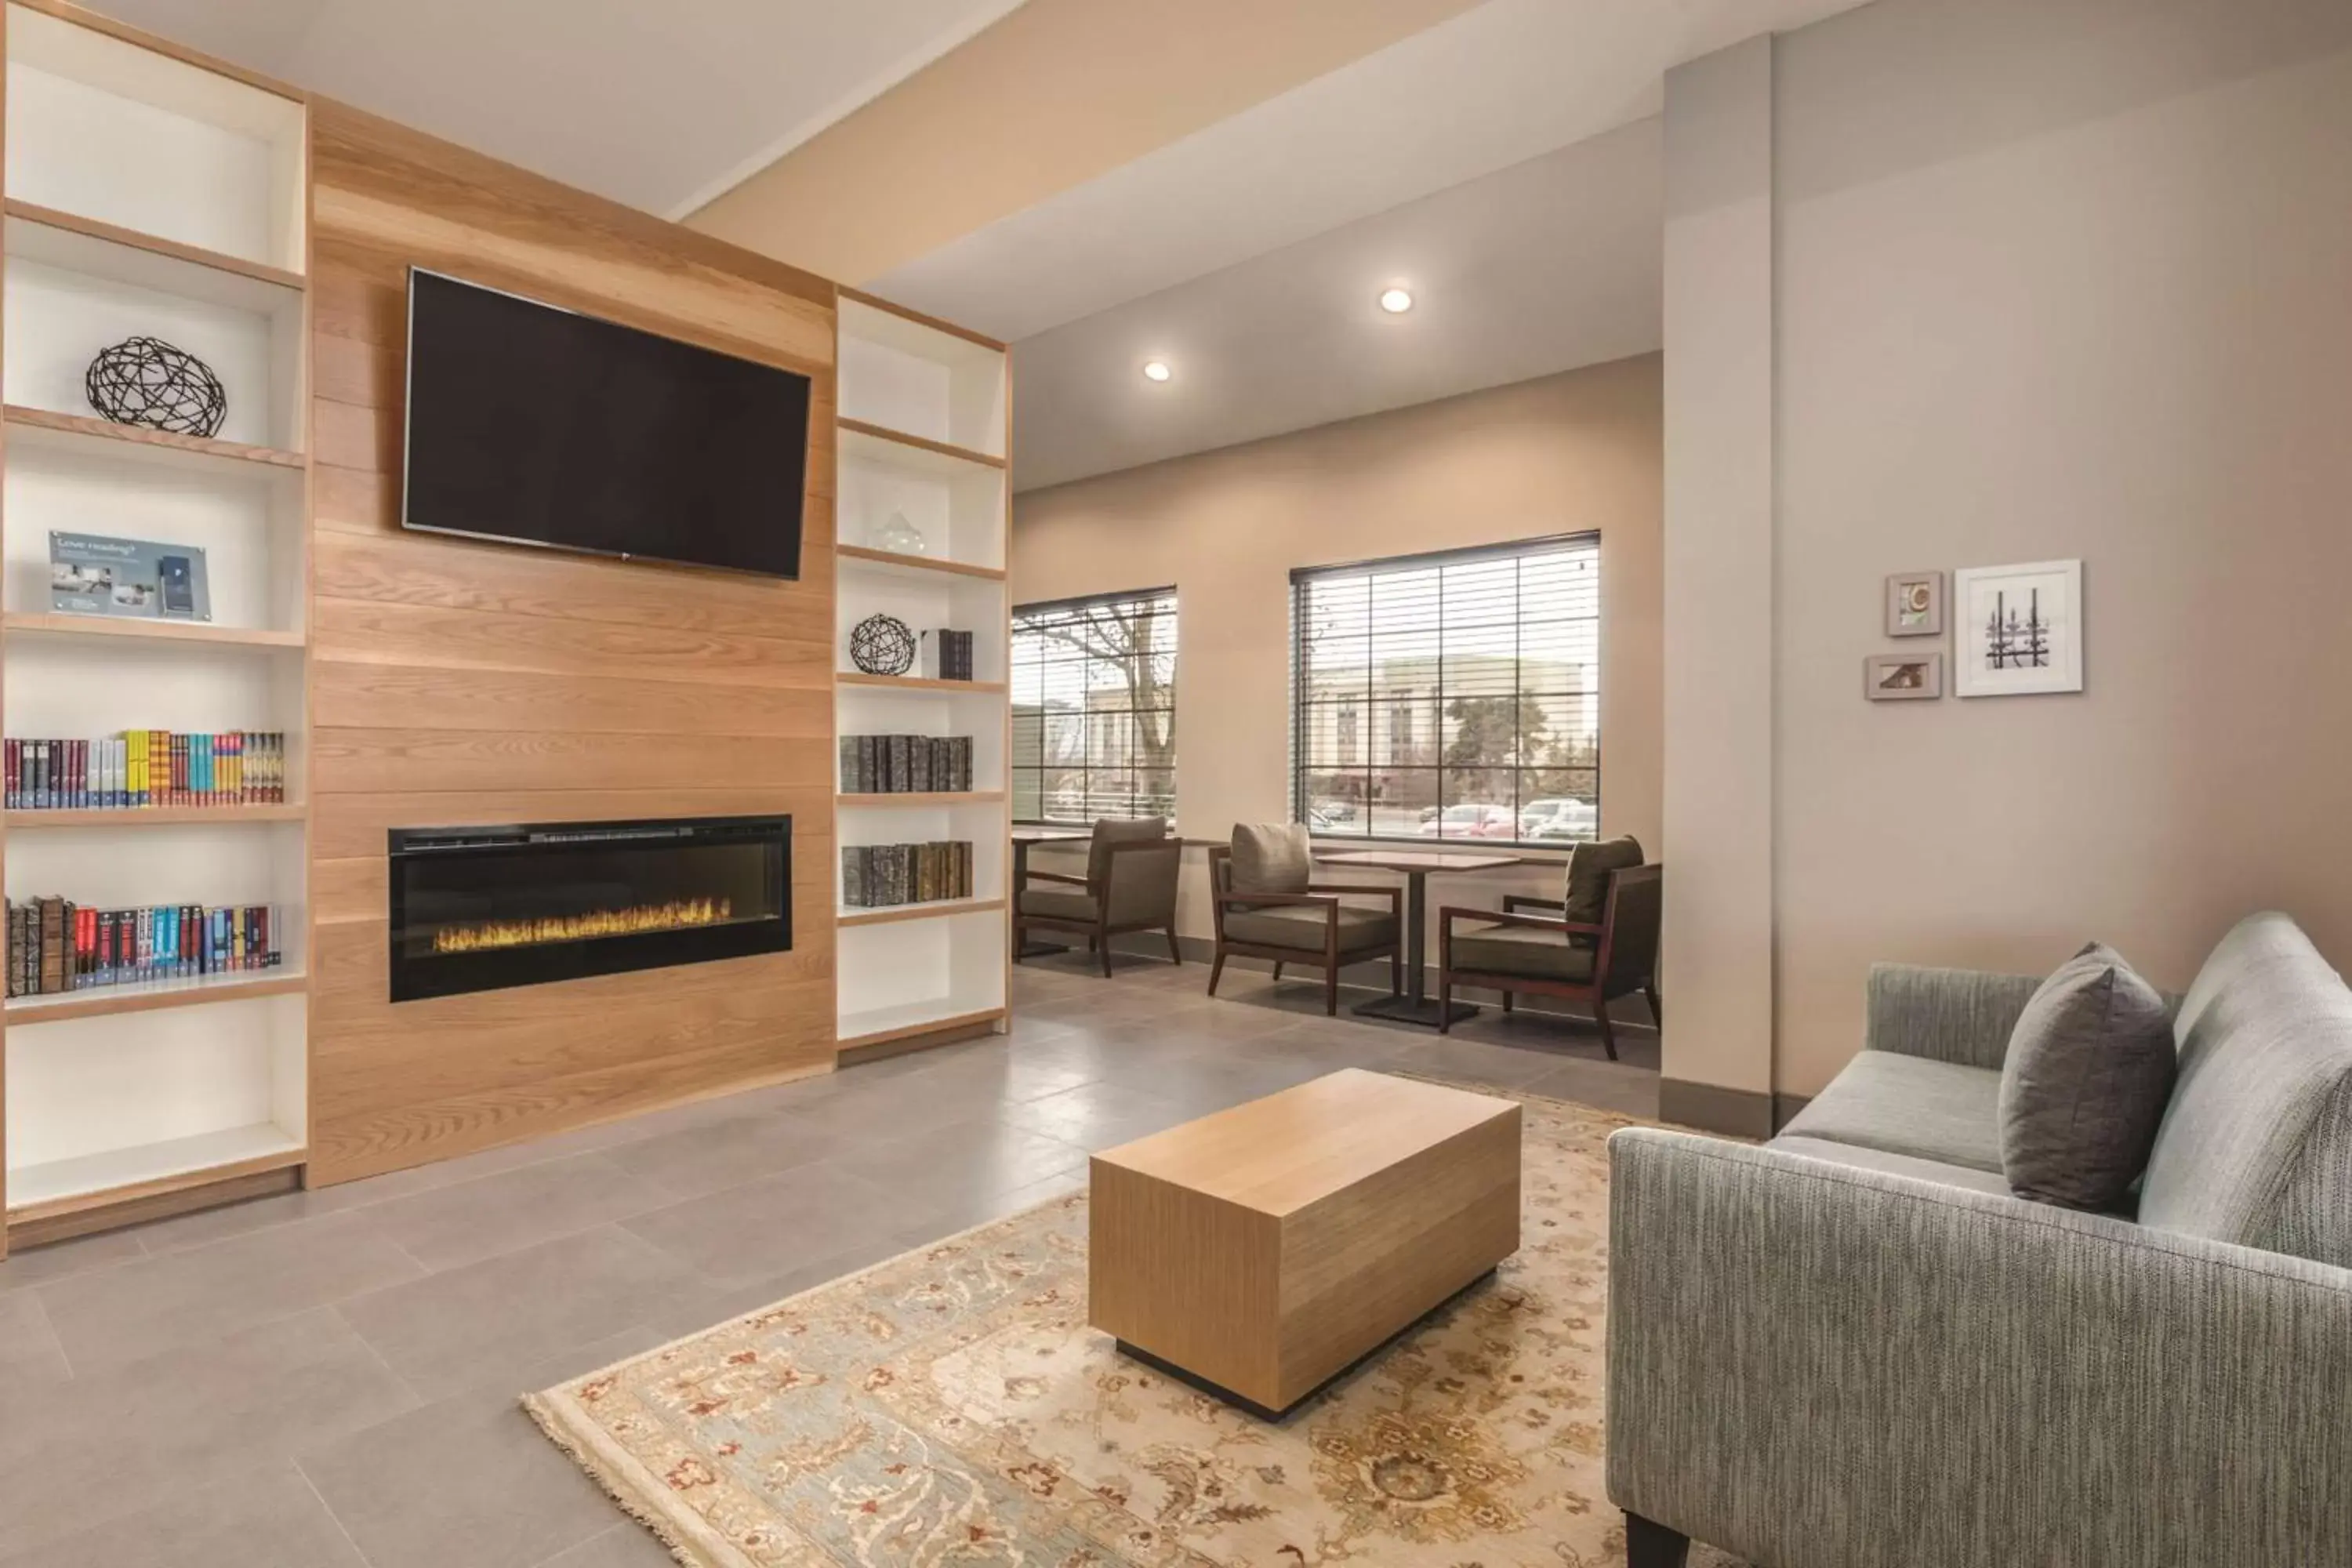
(15, 752)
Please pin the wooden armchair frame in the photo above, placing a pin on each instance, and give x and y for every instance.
(1624, 960)
(1102, 928)
(1323, 895)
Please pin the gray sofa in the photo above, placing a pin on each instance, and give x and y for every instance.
(1852, 1348)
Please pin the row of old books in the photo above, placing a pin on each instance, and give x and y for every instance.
(905, 764)
(955, 655)
(877, 876)
(54, 944)
(140, 768)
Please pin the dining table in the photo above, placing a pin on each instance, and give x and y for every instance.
(1023, 837)
(1416, 866)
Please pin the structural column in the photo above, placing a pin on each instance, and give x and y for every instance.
(1718, 955)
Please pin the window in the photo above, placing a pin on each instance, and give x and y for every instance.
(1094, 708)
(1479, 672)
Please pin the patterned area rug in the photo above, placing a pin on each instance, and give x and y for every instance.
(951, 1407)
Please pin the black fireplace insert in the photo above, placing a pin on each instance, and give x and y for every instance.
(478, 909)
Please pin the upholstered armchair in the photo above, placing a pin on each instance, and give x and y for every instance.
(1274, 910)
(1129, 886)
(1553, 954)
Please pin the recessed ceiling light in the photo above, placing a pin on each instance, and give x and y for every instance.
(1396, 301)
(1156, 370)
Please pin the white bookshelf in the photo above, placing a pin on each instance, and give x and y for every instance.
(922, 446)
(149, 194)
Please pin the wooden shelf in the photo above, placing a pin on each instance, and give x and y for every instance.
(918, 443)
(938, 909)
(893, 559)
(156, 815)
(20, 416)
(917, 682)
(105, 1001)
(148, 1170)
(922, 797)
(886, 1024)
(154, 245)
(49, 623)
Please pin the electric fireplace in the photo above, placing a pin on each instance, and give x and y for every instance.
(476, 909)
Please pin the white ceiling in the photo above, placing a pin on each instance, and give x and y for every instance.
(1548, 264)
(1500, 84)
(658, 106)
(1248, 253)
(1503, 164)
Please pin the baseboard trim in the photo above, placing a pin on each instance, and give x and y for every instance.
(1372, 976)
(1712, 1107)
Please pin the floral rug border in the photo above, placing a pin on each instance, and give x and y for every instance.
(647, 1497)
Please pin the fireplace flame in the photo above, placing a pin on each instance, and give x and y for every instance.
(676, 915)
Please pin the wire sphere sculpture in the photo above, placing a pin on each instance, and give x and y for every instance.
(146, 380)
(882, 645)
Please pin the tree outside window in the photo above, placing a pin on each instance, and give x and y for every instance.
(1094, 708)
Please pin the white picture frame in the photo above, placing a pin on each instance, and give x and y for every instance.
(2018, 630)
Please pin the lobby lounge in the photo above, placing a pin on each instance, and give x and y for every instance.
(895, 786)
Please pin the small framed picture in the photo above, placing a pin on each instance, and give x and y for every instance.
(1903, 677)
(2020, 628)
(1914, 604)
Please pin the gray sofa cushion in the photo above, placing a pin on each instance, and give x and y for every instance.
(2256, 1146)
(2085, 1083)
(1522, 950)
(1860, 1158)
(1910, 1105)
(1302, 928)
(1072, 905)
(1272, 857)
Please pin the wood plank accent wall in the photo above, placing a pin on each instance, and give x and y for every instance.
(457, 682)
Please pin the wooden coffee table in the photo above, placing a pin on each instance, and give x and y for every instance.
(1260, 1252)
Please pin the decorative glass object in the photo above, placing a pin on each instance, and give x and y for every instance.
(898, 536)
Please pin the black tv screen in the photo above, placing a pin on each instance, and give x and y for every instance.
(543, 426)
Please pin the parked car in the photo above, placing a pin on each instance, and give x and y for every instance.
(1564, 818)
(1470, 822)
(1336, 810)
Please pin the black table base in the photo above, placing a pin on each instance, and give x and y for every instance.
(1423, 1010)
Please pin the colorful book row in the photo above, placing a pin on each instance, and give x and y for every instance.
(141, 768)
(905, 764)
(877, 876)
(56, 946)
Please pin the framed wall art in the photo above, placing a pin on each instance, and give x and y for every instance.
(2020, 628)
(1914, 604)
(1903, 677)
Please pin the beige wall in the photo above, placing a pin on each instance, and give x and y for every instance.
(1563, 454)
(2055, 280)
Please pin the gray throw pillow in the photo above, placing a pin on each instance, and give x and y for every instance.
(1272, 857)
(2089, 1073)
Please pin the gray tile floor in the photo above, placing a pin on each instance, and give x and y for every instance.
(329, 1379)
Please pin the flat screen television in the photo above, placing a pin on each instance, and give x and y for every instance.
(535, 424)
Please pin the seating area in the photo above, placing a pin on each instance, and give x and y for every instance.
(815, 786)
